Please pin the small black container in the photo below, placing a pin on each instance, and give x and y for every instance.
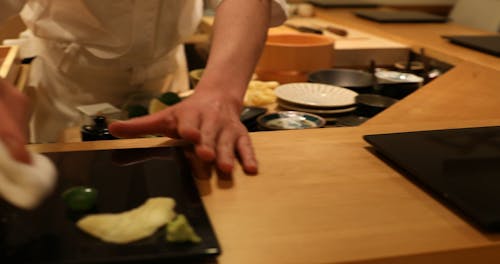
(369, 105)
(97, 131)
(397, 90)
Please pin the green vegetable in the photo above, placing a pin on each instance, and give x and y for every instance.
(136, 111)
(80, 198)
(179, 230)
(169, 98)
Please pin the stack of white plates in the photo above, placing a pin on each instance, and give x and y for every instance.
(327, 101)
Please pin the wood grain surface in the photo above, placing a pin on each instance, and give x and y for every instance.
(324, 196)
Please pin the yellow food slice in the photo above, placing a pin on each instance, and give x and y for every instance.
(260, 93)
(132, 225)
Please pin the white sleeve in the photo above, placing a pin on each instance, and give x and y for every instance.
(9, 8)
(279, 12)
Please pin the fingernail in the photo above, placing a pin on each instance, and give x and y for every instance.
(251, 168)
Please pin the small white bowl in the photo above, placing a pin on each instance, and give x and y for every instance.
(398, 77)
(286, 120)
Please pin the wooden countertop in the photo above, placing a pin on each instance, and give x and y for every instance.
(417, 35)
(322, 196)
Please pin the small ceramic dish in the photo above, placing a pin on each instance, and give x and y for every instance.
(351, 120)
(319, 111)
(316, 95)
(398, 77)
(371, 104)
(286, 120)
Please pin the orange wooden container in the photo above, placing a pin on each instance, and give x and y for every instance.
(291, 57)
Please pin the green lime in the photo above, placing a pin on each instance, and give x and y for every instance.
(169, 98)
(80, 198)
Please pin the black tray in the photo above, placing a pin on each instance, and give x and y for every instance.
(459, 167)
(489, 44)
(400, 16)
(125, 179)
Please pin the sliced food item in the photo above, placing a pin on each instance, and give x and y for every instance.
(260, 93)
(131, 225)
(179, 230)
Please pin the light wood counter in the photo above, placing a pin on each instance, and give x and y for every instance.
(322, 196)
(417, 35)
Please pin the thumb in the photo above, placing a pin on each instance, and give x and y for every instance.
(17, 149)
(147, 125)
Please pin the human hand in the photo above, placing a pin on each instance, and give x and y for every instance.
(209, 120)
(14, 113)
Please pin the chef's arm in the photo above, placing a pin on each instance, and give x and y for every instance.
(210, 118)
(240, 30)
(14, 116)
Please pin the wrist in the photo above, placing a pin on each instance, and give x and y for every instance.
(228, 89)
(219, 96)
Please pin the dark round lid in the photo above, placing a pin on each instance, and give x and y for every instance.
(346, 78)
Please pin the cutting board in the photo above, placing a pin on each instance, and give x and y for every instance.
(355, 50)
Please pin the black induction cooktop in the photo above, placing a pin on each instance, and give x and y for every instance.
(400, 16)
(124, 179)
(488, 44)
(460, 167)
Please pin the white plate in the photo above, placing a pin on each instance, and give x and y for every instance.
(319, 111)
(315, 94)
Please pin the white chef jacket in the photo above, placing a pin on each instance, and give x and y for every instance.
(93, 51)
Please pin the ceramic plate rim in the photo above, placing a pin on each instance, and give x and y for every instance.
(280, 89)
(320, 119)
(289, 106)
(416, 78)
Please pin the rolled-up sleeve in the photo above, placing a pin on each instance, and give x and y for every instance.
(279, 12)
(9, 8)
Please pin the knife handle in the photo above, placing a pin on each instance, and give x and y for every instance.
(337, 31)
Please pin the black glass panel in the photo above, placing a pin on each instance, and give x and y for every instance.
(125, 179)
(460, 166)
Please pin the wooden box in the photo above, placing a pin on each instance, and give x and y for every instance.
(9, 63)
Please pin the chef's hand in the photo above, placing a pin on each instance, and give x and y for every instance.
(210, 120)
(14, 116)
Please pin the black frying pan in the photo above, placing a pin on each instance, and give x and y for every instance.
(356, 80)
